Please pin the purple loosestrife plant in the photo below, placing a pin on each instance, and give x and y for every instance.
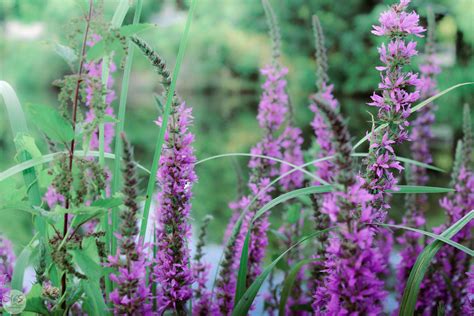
(352, 261)
(447, 280)
(421, 137)
(131, 295)
(7, 258)
(393, 100)
(175, 177)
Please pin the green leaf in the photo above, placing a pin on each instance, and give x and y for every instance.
(34, 301)
(67, 54)
(93, 300)
(242, 275)
(51, 122)
(412, 288)
(18, 126)
(243, 305)
(21, 264)
(289, 282)
(293, 213)
(132, 29)
(108, 202)
(429, 100)
(418, 189)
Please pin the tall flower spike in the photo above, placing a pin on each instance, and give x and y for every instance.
(352, 262)
(132, 293)
(274, 30)
(393, 101)
(175, 177)
(421, 137)
(202, 305)
(325, 169)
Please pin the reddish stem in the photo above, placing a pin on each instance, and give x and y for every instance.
(74, 119)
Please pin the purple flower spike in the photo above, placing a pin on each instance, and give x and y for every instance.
(7, 258)
(175, 177)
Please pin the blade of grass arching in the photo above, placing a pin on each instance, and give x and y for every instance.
(50, 157)
(238, 224)
(419, 189)
(289, 282)
(18, 125)
(408, 161)
(299, 168)
(412, 288)
(160, 139)
(434, 236)
(366, 137)
(429, 100)
(242, 275)
(243, 305)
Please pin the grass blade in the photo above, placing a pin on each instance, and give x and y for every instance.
(412, 288)
(408, 161)
(21, 264)
(418, 189)
(160, 139)
(429, 100)
(242, 275)
(243, 305)
(434, 236)
(289, 282)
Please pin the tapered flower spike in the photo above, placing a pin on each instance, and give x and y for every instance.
(352, 265)
(131, 296)
(421, 137)
(393, 101)
(325, 169)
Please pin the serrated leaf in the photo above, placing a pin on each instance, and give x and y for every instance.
(67, 54)
(34, 301)
(49, 121)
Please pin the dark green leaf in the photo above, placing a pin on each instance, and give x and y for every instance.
(415, 189)
(51, 122)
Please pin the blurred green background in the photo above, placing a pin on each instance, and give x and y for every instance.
(220, 74)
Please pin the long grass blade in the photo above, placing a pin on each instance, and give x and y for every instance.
(408, 161)
(242, 275)
(419, 189)
(434, 236)
(160, 139)
(429, 100)
(289, 282)
(243, 305)
(412, 288)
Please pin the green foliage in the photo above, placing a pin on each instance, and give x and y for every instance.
(51, 122)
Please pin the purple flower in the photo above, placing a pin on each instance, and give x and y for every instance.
(3, 287)
(175, 177)
(53, 198)
(468, 300)
(7, 258)
(393, 101)
(352, 265)
(273, 103)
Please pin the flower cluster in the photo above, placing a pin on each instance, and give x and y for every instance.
(175, 177)
(394, 100)
(352, 261)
